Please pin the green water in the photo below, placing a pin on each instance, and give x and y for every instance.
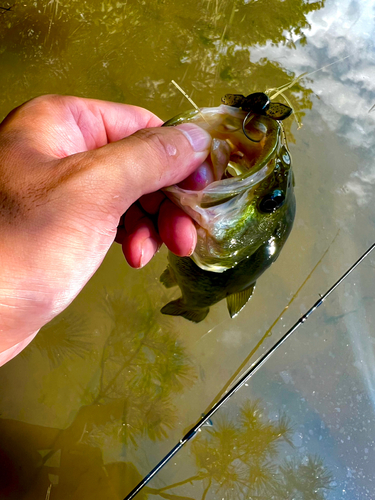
(108, 387)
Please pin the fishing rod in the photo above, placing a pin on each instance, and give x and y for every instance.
(249, 373)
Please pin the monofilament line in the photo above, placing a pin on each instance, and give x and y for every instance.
(249, 373)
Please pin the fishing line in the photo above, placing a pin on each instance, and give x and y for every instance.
(249, 373)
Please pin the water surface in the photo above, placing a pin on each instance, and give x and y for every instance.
(107, 388)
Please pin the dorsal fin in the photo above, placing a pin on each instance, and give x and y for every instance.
(236, 301)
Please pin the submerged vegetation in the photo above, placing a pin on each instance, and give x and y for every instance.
(142, 367)
(66, 336)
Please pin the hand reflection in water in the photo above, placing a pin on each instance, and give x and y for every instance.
(69, 169)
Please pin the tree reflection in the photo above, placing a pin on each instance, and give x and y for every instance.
(238, 458)
(305, 480)
(85, 48)
(36, 459)
(5, 9)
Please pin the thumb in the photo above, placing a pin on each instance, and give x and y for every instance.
(149, 160)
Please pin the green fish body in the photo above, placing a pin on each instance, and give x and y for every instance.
(244, 217)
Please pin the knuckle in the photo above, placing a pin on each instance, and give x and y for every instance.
(24, 110)
(158, 150)
(41, 101)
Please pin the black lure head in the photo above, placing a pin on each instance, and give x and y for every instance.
(258, 103)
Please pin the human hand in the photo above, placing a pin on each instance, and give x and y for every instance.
(67, 176)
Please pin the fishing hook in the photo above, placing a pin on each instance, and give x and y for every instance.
(244, 129)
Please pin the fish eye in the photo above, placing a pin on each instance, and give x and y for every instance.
(272, 201)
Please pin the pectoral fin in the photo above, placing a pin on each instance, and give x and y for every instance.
(237, 301)
(167, 278)
(178, 308)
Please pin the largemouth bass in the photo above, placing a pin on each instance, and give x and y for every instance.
(244, 216)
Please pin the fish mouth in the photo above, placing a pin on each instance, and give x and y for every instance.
(242, 146)
(219, 195)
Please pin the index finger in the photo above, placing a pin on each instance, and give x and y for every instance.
(121, 120)
(64, 125)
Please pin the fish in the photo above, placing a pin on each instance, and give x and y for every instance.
(244, 217)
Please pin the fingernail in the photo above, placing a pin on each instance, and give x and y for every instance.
(194, 241)
(149, 248)
(199, 139)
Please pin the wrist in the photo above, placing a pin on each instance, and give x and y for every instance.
(11, 352)
(24, 306)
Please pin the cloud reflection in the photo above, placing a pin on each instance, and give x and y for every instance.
(345, 91)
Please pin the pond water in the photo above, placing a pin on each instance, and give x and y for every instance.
(110, 386)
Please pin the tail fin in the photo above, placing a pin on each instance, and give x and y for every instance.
(178, 308)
